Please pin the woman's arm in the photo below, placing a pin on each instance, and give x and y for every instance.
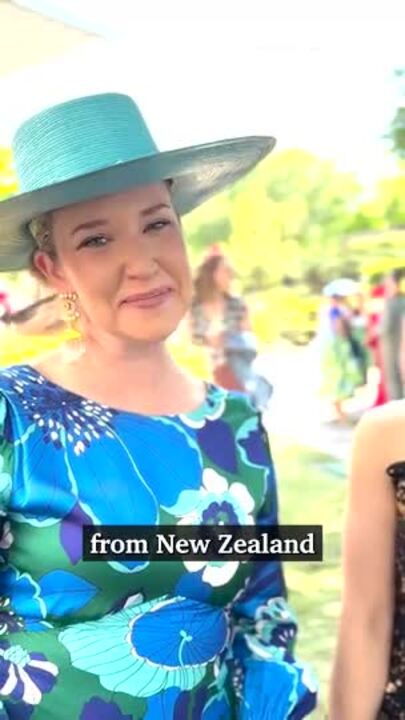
(364, 640)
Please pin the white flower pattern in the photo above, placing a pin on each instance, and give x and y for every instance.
(19, 673)
(218, 503)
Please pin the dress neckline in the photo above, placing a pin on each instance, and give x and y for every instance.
(197, 412)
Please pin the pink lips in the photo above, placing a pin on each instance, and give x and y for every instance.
(150, 299)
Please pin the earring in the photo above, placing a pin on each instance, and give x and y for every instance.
(70, 309)
(74, 347)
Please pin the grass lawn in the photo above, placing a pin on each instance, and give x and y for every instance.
(311, 492)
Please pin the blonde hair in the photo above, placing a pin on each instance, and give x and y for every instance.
(42, 316)
(41, 230)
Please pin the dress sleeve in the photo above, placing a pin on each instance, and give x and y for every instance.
(7, 617)
(270, 682)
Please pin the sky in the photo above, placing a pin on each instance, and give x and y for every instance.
(315, 74)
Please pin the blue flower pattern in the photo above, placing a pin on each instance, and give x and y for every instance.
(228, 632)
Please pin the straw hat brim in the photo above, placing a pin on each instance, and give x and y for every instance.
(197, 172)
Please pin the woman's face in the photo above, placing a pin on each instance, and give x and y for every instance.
(223, 277)
(125, 258)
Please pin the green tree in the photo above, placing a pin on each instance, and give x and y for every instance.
(292, 211)
(385, 208)
(393, 193)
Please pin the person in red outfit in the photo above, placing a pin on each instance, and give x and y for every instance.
(374, 320)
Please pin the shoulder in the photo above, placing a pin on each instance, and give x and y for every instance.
(381, 433)
(249, 428)
(11, 378)
(384, 418)
(12, 411)
(21, 388)
(238, 411)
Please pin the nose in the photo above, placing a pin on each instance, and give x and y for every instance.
(143, 272)
(139, 259)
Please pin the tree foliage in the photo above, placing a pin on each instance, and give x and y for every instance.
(293, 211)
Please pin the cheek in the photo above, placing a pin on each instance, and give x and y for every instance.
(83, 263)
(179, 267)
(89, 278)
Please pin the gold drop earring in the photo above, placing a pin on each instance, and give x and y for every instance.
(70, 310)
(73, 348)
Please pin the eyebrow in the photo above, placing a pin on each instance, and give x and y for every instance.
(91, 224)
(88, 225)
(153, 208)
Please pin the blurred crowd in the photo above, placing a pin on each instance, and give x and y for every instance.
(361, 339)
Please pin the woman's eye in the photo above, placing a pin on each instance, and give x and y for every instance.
(94, 241)
(157, 225)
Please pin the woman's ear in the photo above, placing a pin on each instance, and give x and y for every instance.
(47, 266)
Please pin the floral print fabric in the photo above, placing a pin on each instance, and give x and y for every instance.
(132, 640)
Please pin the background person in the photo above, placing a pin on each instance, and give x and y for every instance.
(391, 332)
(358, 327)
(375, 310)
(368, 679)
(220, 321)
(341, 372)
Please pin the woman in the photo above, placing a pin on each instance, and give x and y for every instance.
(391, 331)
(220, 320)
(358, 334)
(116, 434)
(375, 310)
(369, 671)
(340, 369)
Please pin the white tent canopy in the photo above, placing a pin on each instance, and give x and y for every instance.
(28, 38)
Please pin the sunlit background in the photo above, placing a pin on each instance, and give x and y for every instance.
(328, 81)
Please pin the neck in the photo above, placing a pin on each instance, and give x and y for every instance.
(131, 376)
(151, 360)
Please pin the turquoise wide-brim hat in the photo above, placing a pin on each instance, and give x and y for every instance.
(100, 145)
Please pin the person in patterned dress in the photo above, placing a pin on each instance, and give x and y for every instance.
(110, 431)
(219, 320)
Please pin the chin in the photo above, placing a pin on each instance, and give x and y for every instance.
(152, 333)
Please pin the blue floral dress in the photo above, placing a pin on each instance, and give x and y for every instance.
(132, 640)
